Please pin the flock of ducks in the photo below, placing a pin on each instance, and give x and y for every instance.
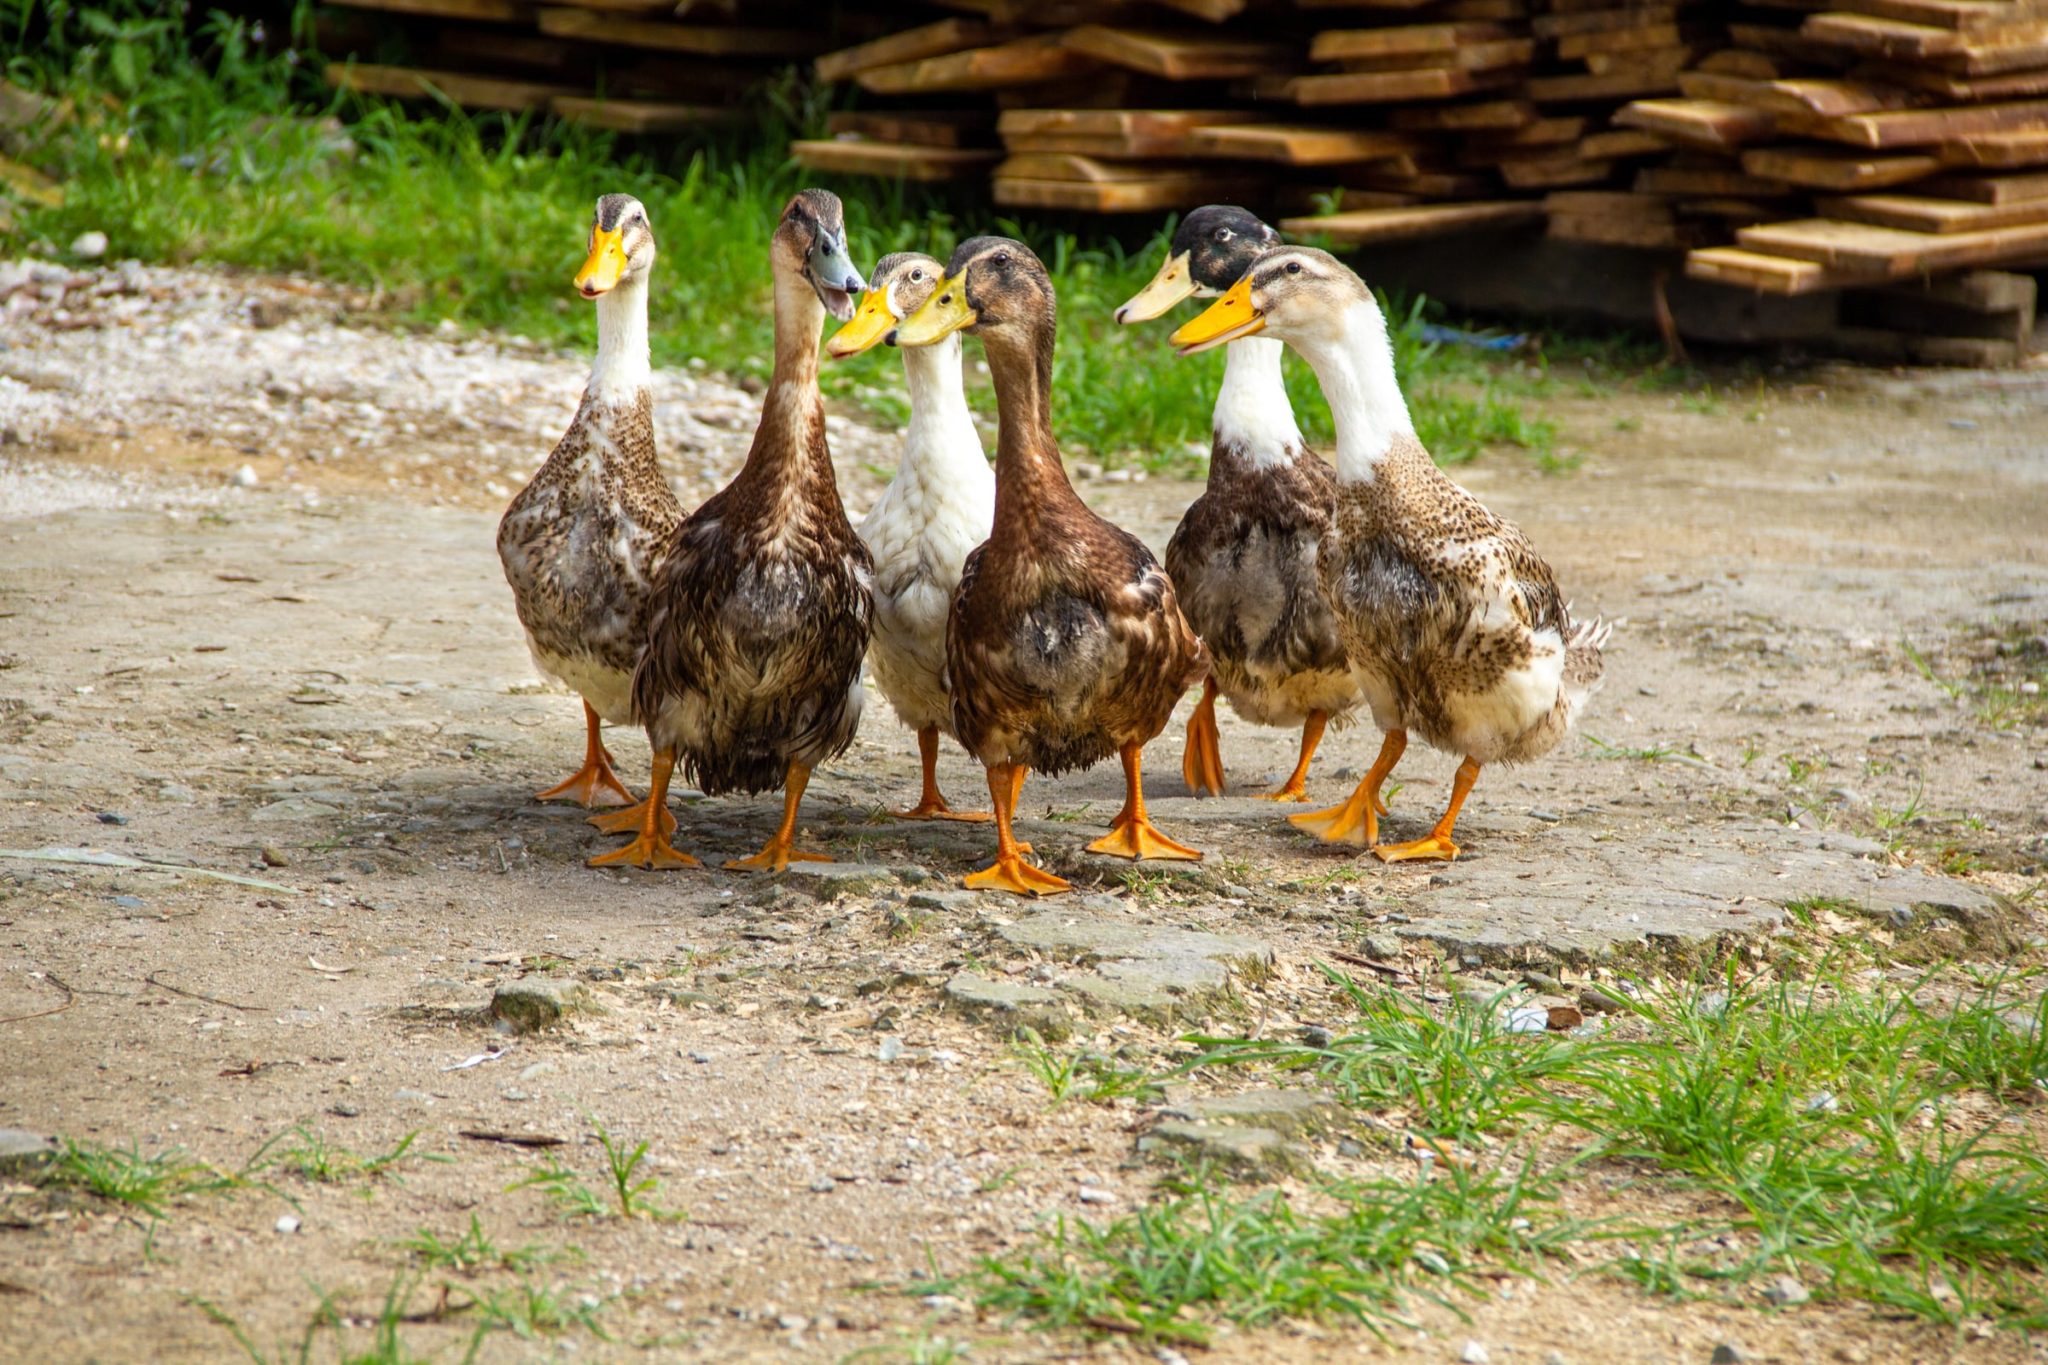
(995, 606)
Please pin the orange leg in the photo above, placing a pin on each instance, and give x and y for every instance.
(1295, 788)
(650, 848)
(593, 784)
(1010, 872)
(1437, 843)
(1201, 763)
(781, 850)
(628, 821)
(931, 804)
(1131, 834)
(1357, 819)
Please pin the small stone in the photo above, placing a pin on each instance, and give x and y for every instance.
(1728, 1353)
(1786, 1292)
(1473, 1354)
(1821, 1102)
(824, 1184)
(1528, 1019)
(89, 246)
(274, 857)
(1961, 424)
(22, 1151)
(1599, 1000)
(1554, 1358)
(412, 1097)
(1382, 947)
(1094, 1194)
(526, 1006)
(344, 1111)
(1548, 817)
(1563, 1018)
(245, 477)
(790, 1322)
(287, 1224)
(108, 817)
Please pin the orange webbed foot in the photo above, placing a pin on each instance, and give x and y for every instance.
(1293, 791)
(1012, 873)
(591, 786)
(1354, 820)
(654, 854)
(1140, 838)
(628, 821)
(776, 856)
(1430, 846)
(934, 807)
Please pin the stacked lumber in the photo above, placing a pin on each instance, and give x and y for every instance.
(1857, 144)
(632, 66)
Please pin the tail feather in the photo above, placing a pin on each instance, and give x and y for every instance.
(1584, 668)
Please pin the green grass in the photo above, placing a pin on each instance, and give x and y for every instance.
(215, 151)
(1855, 1134)
(145, 1182)
(625, 1193)
(314, 1157)
(475, 1251)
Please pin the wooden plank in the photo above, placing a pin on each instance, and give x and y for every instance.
(1735, 61)
(1542, 173)
(1887, 253)
(2004, 48)
(1145, 196)
(1830, 168)
(1622, 144)
(1624, 85)
(1601, 20)
(1157, 123)
(1177, 56)
(1486, 114)
(703, 40)
(1920, 213)
(1944, 85)
(947, 128)
(1704, 180)
(1976, 291)
(1400, 224)
(1088, 169)
(471, 92)
(1301, 144)
(1920, 127)
(1542, 132)
(1759, 271)
(1661, 61)
(642, 116)
(1423, 183)
(1824, 98)
(1402, 40)
(1470, 57)
(472, 48)
(1699, 123)
(482, 11)
(1388, 86)
(1964, 16)
(897, 160)
(1620, 40)
(1027, 61)
(2027, 147)
(1990, 189)
(905, 45)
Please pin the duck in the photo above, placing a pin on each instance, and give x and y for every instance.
(1066, 642)
(1244, 556)
(751, 673)
(939, 505)
(581, 541)
(1452, 622)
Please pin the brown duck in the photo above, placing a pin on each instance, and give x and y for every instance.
(1065, 643)
(1244, 556)
(581, 542)
(751, 672)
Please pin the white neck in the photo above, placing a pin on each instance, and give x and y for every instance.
(940, 422)
(1356, 370)
(622, 367)
(1252, 411)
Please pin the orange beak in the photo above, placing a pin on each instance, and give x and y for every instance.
(1227, 319)
(605, 264)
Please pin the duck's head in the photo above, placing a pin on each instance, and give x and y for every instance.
(810, 240)
(1211, 250)
(899, 287)
(621, 246)
(995, 288)
(1297, 294)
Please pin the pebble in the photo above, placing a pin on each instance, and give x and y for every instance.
(824, 1184)
(1473, 1354)
(89, 246)
(107, 817)
(1961, 424)
(1093, 1194)
(245, 477)
(274, 857)
(526, 1006)
(1382, 947)
(1728, 1353)
(287, 1224)
(344, 1111)
(1786, 1292)
(1548, 817)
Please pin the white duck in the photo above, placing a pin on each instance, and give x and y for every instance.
(1452, 621)
(939, 507)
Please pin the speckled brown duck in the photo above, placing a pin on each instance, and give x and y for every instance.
(1066, 643)
(751, 672)
(1452, 621)
(1244, 556)
(581, 542)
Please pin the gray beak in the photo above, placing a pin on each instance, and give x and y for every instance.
(833, 275)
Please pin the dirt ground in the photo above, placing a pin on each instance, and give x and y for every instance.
(251, 622)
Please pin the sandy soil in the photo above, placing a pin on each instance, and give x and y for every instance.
(251, 621)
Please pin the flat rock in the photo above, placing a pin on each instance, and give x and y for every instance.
(530, 1006)
(1151, 971)
(830, 881)
(22, 1151)
(1287, 1112)
(1013, 1004)
(293, 808)
(1246, 1150)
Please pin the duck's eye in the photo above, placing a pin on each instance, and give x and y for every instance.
(1294, 267)
(917, 277)
(1223, 234)
(1000, 260)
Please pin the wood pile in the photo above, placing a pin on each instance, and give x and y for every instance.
(1786, 147)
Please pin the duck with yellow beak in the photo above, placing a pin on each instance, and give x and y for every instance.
(1244, 555)
(1066, 642)
(751, 672)
(580, 542)
(938, 507)
(1452, 622)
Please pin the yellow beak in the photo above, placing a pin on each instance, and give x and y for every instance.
(1227, 319)
(1172, 284)
(943, 314)
(605, 264)
(873, 322)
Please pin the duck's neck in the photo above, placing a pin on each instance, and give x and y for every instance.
(941, 426)
(622, 369)
(1254, 421)
(1029, 477)
(1356, 370)
(791, 436)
